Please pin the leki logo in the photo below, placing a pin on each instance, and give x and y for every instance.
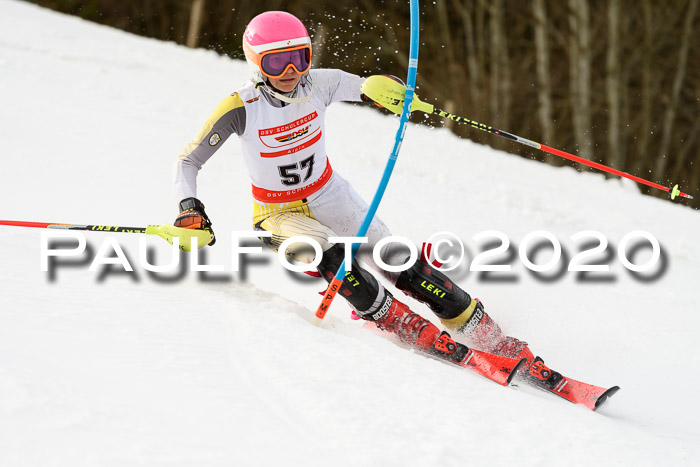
(291, 136)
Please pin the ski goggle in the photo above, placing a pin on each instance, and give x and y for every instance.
(274, 64)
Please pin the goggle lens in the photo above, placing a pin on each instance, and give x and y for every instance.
(275, 64)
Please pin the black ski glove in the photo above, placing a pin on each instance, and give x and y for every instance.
(192, 216)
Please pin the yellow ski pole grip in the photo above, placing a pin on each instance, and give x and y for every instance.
(169, 232)
(389, 93)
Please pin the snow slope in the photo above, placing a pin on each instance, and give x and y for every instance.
(116, 369)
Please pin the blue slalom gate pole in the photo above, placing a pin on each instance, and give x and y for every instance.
(335, 283)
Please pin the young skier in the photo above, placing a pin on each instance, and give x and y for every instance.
(278, 117)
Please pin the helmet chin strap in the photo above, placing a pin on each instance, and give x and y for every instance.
(288, 99)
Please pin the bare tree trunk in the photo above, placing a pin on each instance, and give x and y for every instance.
(317, 46)
(613, 86)
(679, 171)
(480, 8)
(449, 58)
(544, 84)
(694, 178)
(506, 80)
(626, 111)
(647, 83)
(671, 110)
(580, 75)
(475, 72)
(500, 67)
(227, 20)
(446, 36)
(195, 23)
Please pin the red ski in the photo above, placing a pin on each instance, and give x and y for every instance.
(582, 393)
(574, 391)
(494, 367)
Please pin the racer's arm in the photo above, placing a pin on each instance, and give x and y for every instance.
(336, 85)
(229, 117)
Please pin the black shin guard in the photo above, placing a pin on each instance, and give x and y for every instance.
(359, 287)
(432, 287)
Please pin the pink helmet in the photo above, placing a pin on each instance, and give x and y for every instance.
(273, 42)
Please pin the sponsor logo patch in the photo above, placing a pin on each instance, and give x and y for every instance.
(214, 140)
(291, 136)
(384, 309)
(474, 320)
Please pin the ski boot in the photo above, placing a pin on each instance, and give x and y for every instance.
(419, 333)
(411, 328)
(486, 335)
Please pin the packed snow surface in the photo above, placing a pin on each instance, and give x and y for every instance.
(113, 368)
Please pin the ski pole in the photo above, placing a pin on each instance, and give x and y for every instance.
(405, 111)
(389, 94)
(165, 231)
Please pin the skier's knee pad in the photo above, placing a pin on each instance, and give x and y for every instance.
(286, 225)
(447, 300)
(359, 287)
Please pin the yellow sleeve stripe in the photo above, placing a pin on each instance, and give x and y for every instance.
(225, 106)
(231, 102)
